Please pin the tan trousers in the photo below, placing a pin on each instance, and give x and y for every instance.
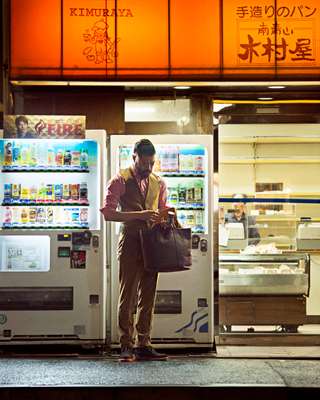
(137, 287)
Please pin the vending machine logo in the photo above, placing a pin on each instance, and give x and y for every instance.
(44, 126)
(3, 319)
(100, 46)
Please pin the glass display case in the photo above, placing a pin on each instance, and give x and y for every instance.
(264, 274)
(262, 222)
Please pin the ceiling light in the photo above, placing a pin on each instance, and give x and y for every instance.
(265, 98)
(181, 87)
(276, 87)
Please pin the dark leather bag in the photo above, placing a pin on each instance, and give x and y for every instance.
(166, 249)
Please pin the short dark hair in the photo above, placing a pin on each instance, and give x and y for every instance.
(144, 148)
(21, 118)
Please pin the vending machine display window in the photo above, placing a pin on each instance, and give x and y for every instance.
(24, 253)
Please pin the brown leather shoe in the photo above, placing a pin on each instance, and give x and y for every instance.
(147, 353)
(127, 354)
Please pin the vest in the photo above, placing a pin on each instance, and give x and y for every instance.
(132, 199)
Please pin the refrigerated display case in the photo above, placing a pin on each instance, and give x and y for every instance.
(52, 240)
(183, 310)
(264, 289)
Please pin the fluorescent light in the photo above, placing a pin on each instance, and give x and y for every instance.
(276, 87)
(265, 98)
(181, 87)
(138, 110)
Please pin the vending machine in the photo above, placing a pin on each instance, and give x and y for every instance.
(183, 314)
(52, 240)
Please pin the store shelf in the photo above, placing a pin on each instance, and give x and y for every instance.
(41, 227)
(46, 170)
(43, 203)
(270, 140)
(181, 174)
(249, 161)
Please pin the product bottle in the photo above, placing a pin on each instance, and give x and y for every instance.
(173, 196)
(43, 154)
(8, 216)
(190, 193)
(7, 192)
(198, 163)
(8, 153)
(49, 215)
(59, 158)
(33, 155)
(83, 192)
(182, 194)
(198, 191)
(84, 215)
(16, 153)
(67, 157)
(84, 158)
(24, 217)
(50, 156)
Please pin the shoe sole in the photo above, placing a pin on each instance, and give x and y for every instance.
(127, 360)
(151, 359)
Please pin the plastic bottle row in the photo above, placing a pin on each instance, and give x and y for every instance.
(53, 193)
(42, 155)
(169, 160)
(193, 219)
(189, 193)
(18, 217)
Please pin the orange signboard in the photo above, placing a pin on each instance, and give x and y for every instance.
(164, 39)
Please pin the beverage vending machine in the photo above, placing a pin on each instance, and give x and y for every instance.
(52, 240)
(183, 314)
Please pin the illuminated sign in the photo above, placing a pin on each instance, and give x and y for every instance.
(44, 126)
(161, 39)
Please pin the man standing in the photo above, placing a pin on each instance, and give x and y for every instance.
(140, 194)
(239, 214)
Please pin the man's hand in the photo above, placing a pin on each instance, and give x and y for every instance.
(149, 215)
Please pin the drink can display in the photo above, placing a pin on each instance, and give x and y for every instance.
(66, 192)
(50, 156)
(49, 215)
(83, 191)
(67, 157)
(74, 189)
(8, 153)
(25, 193)
(58, 192)
(84, 158)
(66, 218)
(8, 216)
(198, 191)
(75, 215)
(84, 215)
(173, 196)
(182, 194)
(41, 215)
(7, 191)
(16, 189)
(50, 192)
(15, 215)
(198, 163)
(24, 216)
(190, 193)
(75, 158)
(59, 157)
(33, 193)
(16, 154)
(32, 215)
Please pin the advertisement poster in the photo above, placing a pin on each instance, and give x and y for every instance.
(44, 126)
(78, 259)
